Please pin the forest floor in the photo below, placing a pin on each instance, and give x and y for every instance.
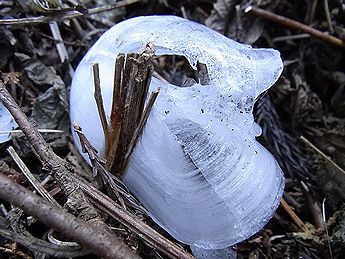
(302, 116)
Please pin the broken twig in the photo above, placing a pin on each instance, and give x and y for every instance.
(334, 164)
(35, 183)
(295, 25)
(293, 216)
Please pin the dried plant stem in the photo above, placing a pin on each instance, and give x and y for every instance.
(295, 25)
(142, 122)
(291, 37)
(99, 102)
(306, 141)
(293, 216)
(328, 16)
(132, 79)
(86, 234)
(35, 183)
(60, 46)
(118, 111)
(326, 229)
(310, 13)
(65, 16)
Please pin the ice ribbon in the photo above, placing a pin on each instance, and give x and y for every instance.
(197, 168)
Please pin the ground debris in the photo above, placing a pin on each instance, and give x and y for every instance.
(308, 101)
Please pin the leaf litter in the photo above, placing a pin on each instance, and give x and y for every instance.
(308, 101)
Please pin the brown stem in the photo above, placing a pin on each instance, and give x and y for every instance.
(132, 79)
(293, 216)
(99, 102)
(295, 25)
(142, 123)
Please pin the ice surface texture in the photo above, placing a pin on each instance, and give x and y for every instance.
(197, 168)
(7, 123)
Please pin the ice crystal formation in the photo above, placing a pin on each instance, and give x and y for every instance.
(197, 167)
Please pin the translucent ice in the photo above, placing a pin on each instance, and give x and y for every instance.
(7, 123)
(197, 168)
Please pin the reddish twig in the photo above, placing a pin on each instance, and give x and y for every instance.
(293, 216)
(295, 25)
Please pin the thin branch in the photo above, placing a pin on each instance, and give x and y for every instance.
(35, 183)
(60, 46)
(310, 13)
(66, 16)
(328, 16)
(39, 130)
(98, 166)
(295, 25)
(99, 102)
(291, 37)
(306, 141)
(100, 242)
(293, 216)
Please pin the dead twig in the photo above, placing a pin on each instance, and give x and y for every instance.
(60, 46)
(113, 189)
(295, 25)
(99, 102)
(100, 242)
(65, 16)
(314, 207)
(326, 229)
(328, 16)
(334, 164)
(35, 183)
(310, 13)
(293, 216)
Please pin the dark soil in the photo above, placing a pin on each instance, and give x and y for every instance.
(302, 116)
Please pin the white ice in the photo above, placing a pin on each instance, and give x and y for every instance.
(7, 123)
(197, 168)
